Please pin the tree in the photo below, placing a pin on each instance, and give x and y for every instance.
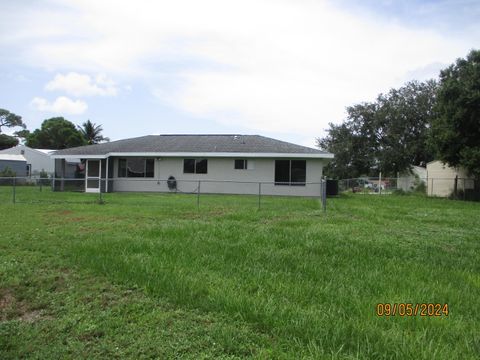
(352, 142)
(56, 133)
(456, 129)
(92, 133)
(9, 120)
(403, 125)
(388, 135)
(7, 142)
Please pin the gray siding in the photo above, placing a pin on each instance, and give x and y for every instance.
(222, 178)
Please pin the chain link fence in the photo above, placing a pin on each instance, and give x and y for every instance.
(104, 191)
(456, 188)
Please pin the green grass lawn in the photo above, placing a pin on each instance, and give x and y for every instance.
(152, 276)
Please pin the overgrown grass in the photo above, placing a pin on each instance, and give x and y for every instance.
(152, 275)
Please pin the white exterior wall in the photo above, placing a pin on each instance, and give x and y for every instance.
(222, 178)
(38, 160)
(441, 179)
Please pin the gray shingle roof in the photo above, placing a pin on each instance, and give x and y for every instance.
(193, 144)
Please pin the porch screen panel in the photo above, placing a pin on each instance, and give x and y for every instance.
(94, 168)
(149, 167)
(122, 167)
(136, 167)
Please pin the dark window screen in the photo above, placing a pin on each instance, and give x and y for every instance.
(189, 166)
(298, 172)
(201, 166)
(282, 172)
(240, 164)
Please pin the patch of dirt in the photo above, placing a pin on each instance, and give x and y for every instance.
(6, 299)
(62, 212)
(31, 316)
(12, 309)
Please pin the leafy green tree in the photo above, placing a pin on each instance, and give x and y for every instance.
(7, 142)
(92, 133)
(456, 129)
(388, 135)
(403, 126)
(352, 142)
(56, 133)
(9, 120)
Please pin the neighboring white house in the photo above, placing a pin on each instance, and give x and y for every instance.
(37, 159)
(236, 164)
(441, 179)
(16, 163)
(408, 181)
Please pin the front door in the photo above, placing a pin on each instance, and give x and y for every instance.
(92, 176)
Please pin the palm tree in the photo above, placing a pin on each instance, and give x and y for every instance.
(92, 133)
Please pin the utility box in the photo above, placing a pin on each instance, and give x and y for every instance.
(332, 187)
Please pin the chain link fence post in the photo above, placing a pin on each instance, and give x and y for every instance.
(14, 190)
(324, 194)
(259, 194)
(198, 195)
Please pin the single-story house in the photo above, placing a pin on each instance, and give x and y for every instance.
(441, 179)
(16, 163)
(233, 164)
(409, 180)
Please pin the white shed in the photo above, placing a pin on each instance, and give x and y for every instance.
(441, 179)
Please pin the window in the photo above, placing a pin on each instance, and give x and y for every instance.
(136, 167)
(241, 164)
(195, 166)
(290, 172)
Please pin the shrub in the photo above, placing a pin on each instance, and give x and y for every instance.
(44, 178)
(7, 172)
(399, 192)
(420, 188)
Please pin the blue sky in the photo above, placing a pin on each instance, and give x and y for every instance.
(280, 68)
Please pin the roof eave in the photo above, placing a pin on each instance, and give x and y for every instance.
(198, 154)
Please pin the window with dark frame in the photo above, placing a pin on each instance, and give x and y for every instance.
(240, 164)
(290, 172)
(195, 166)
(136, 167)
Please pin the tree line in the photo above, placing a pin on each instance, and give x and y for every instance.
(411, 125)
(54, 133)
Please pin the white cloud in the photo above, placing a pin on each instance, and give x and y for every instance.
(61, 105)
(82, 85)
(274, 65)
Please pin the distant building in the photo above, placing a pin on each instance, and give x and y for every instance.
(16, 163)
(441, 179)
(37, 159)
